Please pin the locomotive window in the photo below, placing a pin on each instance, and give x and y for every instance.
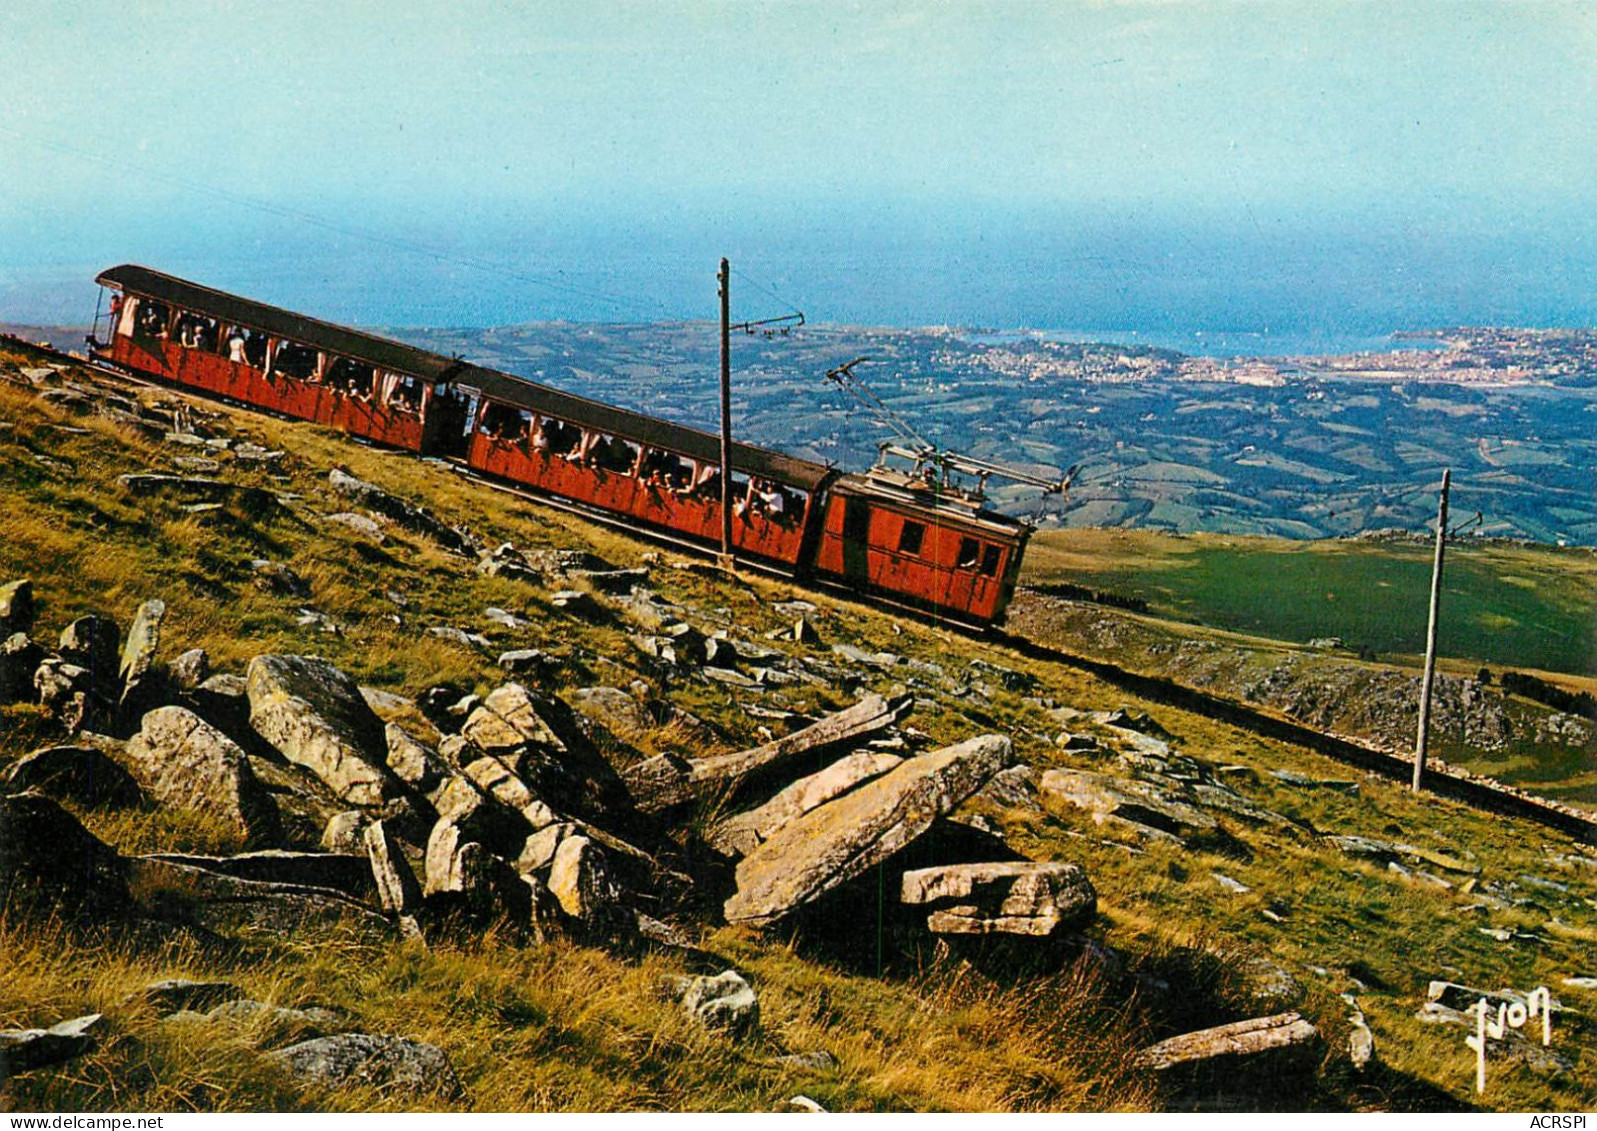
(990, 558)
(969, 554)
(911, 537)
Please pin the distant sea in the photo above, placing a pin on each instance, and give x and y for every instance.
(1288, 289)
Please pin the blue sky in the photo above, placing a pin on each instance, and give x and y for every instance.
(594, 141)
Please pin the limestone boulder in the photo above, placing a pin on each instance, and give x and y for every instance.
(190, 670)
(141, 679)
(351, 1059)
(509, 719)
(315, 716)
(397, 889)
(1282, 1044)
(413, 761)
(347, 875)
(227, 905)
(743, 833)
(51, 866)
(843, 838)
(582, 880)
(183, 762)
(725, 1002)
(16, 606)
(20, 657)
(82, 775)
(1023, 897)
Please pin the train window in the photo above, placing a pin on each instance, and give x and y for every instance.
(990, 558)
(969, 554)
(255, 348)
(351, 378)
(196, 331)
(295, 361)
(557, 438)
(151, 319)
(666, 470)
(612, 453)
(911, 537)
(504, 422)
(404, 393)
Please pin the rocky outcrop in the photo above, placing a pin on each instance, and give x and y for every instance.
(1026, 897)
(20, 657)
(350, 1059)
(1281, 1044)
(227, 905)
(185, 763)
(315, 716)
(839, 840)
(407, 515)
(744, 832)
(23, 1050)
(725, 1003)
(51, 866)
(81, 775)
(664, 782)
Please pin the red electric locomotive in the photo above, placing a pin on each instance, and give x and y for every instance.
(906, 536)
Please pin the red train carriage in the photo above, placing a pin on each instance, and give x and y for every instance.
(262, 355)
(647, 471)
(887, 534)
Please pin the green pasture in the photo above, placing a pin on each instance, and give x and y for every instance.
(1510, 606)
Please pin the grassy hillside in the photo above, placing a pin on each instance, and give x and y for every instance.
(1532, 607)
(1269, 916)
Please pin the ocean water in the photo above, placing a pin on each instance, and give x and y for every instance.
(1312, 288)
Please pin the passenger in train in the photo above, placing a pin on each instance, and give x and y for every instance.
(255, 348)
(235, 345)
(705, 484)
(205, 334)
(405, 396)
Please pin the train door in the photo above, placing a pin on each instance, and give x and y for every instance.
(451, 413)
(856, 540)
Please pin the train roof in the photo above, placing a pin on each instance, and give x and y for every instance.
(492, 383)
(381, 352)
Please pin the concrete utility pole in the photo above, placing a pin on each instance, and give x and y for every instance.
(725, 279)
(1424, 734)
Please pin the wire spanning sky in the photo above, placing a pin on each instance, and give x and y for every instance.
(824, 142)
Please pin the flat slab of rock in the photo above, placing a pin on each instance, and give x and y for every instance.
(138, 653)
(1287, 1039)
(408, 515)
(350, 1059)
(83, 775)
(1023, 897)
(398, 891)
(743, 833)
(663, 782)
(508, 719)
(184, 762)
(22, 1050)
(841, 839)
(175, 995)
(227, 905)
(347, 874)
(315, 716)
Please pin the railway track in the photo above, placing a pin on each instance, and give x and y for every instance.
(1480, 793)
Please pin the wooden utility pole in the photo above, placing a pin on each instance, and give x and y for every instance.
(725, 278)
(1424, 734)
